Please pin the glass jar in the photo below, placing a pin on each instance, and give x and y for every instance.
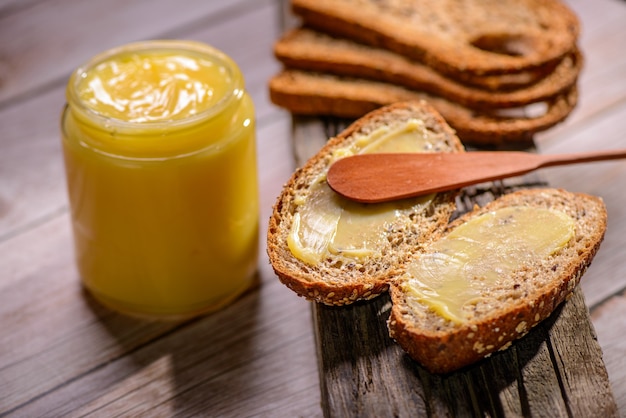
(159, 149)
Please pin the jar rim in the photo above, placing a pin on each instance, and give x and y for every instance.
(193, 47)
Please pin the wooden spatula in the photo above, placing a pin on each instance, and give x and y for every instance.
(372, 178)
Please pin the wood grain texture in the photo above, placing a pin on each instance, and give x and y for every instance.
(63, 355)
(556, 370)
(73, 31)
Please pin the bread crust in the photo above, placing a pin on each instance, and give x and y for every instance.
(451, 36)
(442, 347)
(322, 94)
(308, 50)
(334, 284)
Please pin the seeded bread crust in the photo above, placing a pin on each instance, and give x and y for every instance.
(335, 281)
(310, 93)
(452, 36)
(519, 303)
(308, 50)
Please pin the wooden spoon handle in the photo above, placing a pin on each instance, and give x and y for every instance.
(548, 160)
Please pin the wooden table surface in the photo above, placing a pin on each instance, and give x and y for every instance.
(62, 354)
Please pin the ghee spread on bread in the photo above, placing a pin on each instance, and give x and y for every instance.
(359, 271)
(566, 236)
(565, 229)
(328, 223)
(461, 268)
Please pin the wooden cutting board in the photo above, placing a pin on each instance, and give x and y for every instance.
(554, 371)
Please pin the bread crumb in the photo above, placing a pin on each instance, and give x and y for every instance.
(505, 346)
(478, 347)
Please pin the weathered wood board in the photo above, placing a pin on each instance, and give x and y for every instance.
(556, 370)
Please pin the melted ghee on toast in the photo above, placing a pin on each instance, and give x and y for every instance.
(328, 224)
(460, 268)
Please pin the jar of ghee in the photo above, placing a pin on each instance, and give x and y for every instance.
(159, 149)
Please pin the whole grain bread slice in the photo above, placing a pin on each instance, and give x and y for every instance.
(310, 93)
(475, 37)
(309, 50)
(335, 281)
(510, 309)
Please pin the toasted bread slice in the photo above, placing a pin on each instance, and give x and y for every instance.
(510, 308)
(322, 94)
(337, 280)
(455, 37)
(308, 50)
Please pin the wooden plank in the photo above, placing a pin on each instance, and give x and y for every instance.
(53, 40)
(63, 355)
(607, 274)
(608, 319)
(365, 374)
(31, 164)
(11, 6)
(602, 83)
(557, 368)
(243, 352)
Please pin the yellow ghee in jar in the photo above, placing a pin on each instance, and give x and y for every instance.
(159, 147)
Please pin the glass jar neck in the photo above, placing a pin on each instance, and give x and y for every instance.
(160, 138)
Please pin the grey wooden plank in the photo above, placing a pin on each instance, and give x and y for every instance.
(547, 373)
(608, 319)
(607, 274)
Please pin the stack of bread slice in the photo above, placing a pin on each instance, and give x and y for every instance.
(498, 71)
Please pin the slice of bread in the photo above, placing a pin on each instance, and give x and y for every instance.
(335, 280)
(509, 310)
(475, 37)
(310, 93)
(308, 50)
